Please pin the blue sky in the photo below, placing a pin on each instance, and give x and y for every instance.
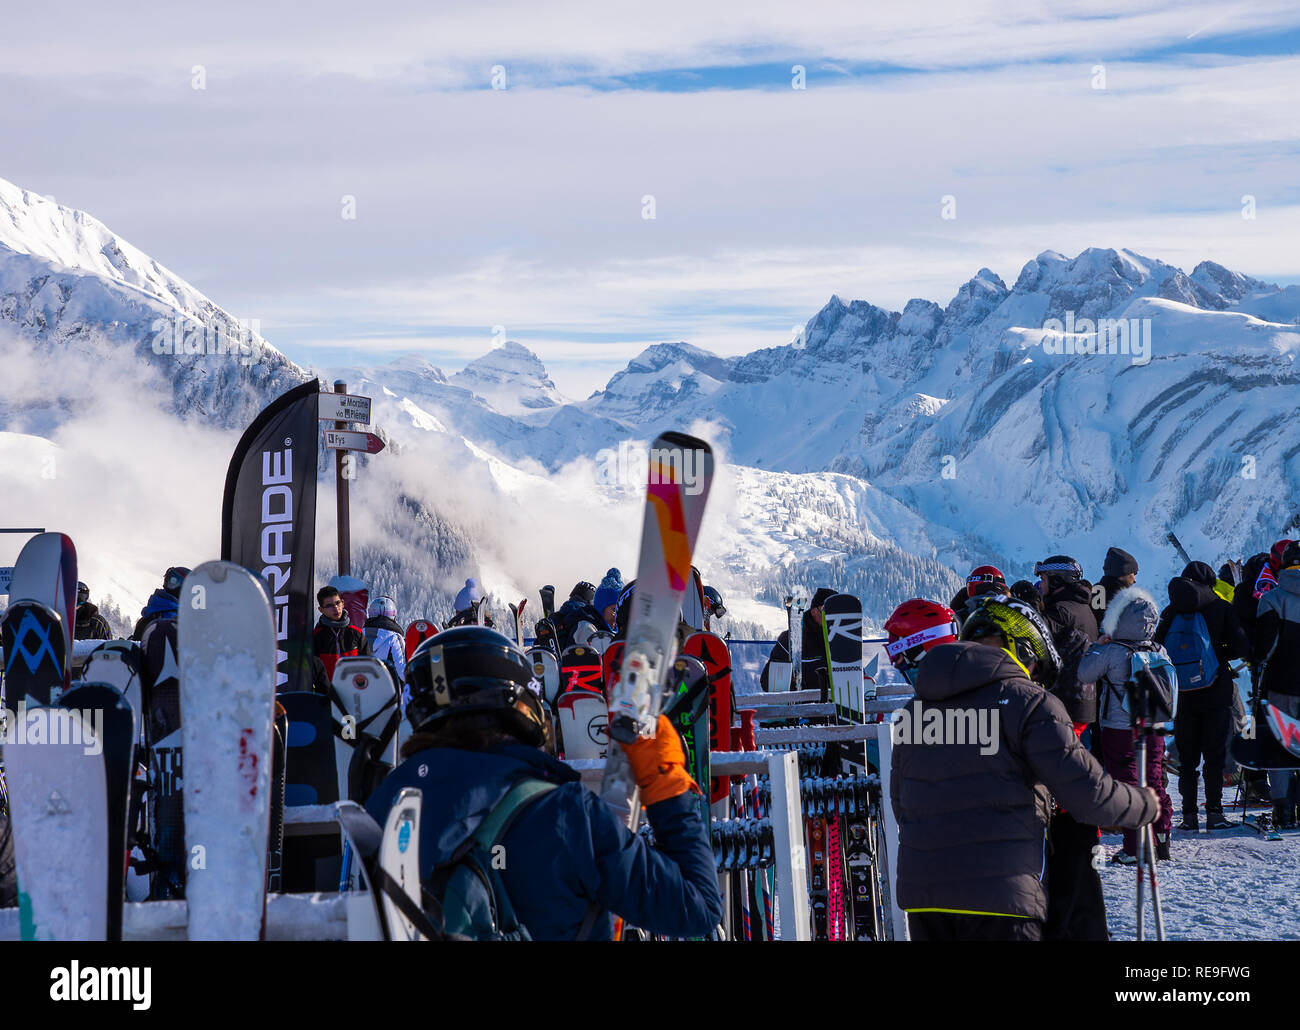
(523, 207)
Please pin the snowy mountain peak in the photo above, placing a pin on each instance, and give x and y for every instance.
(40, 228)
(414, 365)
(511, 379)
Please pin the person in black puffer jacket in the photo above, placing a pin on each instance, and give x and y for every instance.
(972, 826)
(1204, 717)
(89, 624)
(1067, 597)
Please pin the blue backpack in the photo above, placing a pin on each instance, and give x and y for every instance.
(1192, 652)
(1159, 676)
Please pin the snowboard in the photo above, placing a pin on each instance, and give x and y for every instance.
(118, 663)
(310, 764)
(419, 630)
(1265, 750)
(227, 649)
(843, 633)
(581, 669)
(310, 863)
(361, 837)
(366, 708)
(162, 731)
(36, 655)
(58, 809)
(547, 669)
(712, 650)
(399, 858)
(611, 661)
(275, 836)
(1286, 728)
(46, 571)
(116, 721)
(680, 474)
(547, 594)
(693, 601)
(583, 721)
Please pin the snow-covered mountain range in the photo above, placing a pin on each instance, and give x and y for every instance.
(884, 451)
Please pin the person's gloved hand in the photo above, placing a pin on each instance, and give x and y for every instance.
(659, 764)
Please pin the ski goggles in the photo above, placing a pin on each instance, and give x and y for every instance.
(904, 644)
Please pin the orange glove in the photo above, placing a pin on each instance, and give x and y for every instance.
(659, 765)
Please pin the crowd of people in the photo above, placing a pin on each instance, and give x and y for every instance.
(1002, 844)
(992, 844)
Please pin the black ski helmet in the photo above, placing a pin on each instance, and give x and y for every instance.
(83, 592)
(1059, 567)
(713, 603)
(584, 591)
(624, 609)
(173, 578)
(474, 669)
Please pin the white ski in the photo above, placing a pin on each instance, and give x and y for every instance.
(227, 644)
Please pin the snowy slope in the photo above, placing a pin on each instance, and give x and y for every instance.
(83, 294)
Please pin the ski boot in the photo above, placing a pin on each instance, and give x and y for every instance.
(1162, 847)
(1216, 821)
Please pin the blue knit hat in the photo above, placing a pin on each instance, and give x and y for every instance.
(469, 595)
(607, 593)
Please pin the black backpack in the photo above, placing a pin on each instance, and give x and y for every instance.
(1080, 699)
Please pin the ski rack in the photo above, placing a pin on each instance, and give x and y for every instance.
(782, 767)
(801, 704)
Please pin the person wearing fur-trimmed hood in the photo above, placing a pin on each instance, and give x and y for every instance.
(1129, 625)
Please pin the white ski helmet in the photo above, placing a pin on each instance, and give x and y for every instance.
(382, 607)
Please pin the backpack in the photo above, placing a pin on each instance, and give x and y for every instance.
(1080, 699)
(1192, 651)
(567, 620)
(1159, 676)
(464, 899)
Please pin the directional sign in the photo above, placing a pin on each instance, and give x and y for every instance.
(345, 407)
(6, 577)
(343, 441)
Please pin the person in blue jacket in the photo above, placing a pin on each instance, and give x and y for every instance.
(571, 864)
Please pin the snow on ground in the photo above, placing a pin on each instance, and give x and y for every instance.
(1230, 885)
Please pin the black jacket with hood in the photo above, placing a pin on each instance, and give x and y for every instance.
(972, 827)
(1193, 592)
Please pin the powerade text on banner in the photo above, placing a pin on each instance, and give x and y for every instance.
(268, 521)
